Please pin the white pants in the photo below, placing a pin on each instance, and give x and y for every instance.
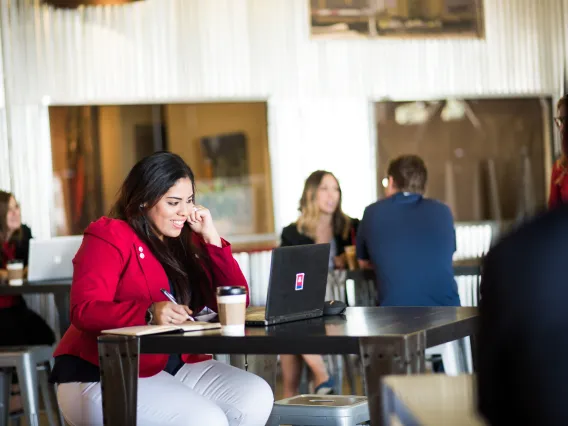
(207, 393)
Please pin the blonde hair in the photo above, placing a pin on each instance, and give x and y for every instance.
(309, 210)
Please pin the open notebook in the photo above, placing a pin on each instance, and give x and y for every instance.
(143, 330)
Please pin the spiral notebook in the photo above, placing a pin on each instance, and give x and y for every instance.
(144, 330)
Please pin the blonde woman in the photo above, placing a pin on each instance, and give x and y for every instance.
(321, 221)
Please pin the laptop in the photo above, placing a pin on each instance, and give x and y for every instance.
(297, 284)
(52, 259)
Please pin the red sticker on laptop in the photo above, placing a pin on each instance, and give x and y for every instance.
(300, 281)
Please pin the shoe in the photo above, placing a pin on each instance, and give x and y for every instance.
(325, 388)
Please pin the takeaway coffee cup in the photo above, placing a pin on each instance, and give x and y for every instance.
(351, 257)
(232, 304)
(15, 270)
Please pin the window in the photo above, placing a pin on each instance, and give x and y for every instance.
(226, 144)
(486, 158)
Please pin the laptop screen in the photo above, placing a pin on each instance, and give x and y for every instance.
(298, 280)
(52, 259)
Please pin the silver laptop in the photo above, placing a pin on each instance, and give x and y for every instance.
(52, 259)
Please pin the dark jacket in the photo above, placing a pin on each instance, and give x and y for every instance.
(20, 326)
(291, 237)
(22, 246)
(522, 340)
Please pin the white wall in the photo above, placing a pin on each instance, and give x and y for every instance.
(333, 134)
(319, 92)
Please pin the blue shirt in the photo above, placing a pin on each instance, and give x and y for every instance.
(410, 240)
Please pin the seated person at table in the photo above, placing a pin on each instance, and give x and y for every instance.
(18, 324)
(321, 221)
(409, 240)
(559, 178)
(522, 376)
(157, 237)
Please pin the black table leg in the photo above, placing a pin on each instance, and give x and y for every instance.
(5, 389)
(61, 299)
(119, 358)
(382, 357)
(474, 349)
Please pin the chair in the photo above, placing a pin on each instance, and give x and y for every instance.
(454, 356)
(26, 362)
(313, 410)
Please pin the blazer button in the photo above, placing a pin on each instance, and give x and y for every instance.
(140, 249)
(141, 255)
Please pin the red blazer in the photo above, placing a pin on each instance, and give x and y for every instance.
(115, 280)
(558, 190)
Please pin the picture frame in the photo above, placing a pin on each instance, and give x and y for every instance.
(378, 19)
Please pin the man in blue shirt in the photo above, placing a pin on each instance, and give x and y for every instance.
(409, 240)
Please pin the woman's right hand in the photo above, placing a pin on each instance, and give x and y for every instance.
(169, 313)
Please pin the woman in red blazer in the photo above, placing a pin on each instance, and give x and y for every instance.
(157, 238)
(559, 178)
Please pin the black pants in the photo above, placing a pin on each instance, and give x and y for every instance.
(22, 326)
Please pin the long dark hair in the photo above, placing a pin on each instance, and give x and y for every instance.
(144, 186)
(5, 198)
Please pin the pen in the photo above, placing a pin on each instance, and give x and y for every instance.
(169, 296)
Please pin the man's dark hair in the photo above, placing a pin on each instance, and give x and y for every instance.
(409, 173)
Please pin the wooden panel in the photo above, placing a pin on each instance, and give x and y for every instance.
(188, 123)
(507, 128)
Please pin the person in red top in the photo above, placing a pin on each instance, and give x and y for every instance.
(156, 237)
(18, 324)
(559, 178)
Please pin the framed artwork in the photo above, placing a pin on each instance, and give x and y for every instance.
(344, 19)
(226, 186)
(226, 155)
